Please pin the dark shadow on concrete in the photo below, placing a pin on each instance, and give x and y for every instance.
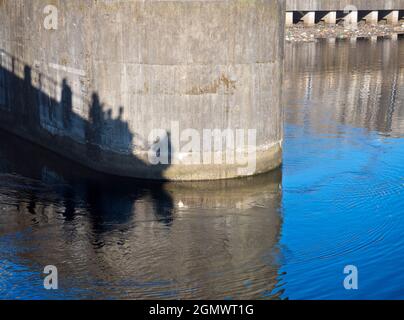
(341, 16)
(97, 140)
(32, 116)
(362, 14)
(94, 127)
(67, 104)
(125, 238)
(298, 16)
(319, 16)
(109, 200)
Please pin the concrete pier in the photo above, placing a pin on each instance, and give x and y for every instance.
(372, 17)
(351, 19)
(392, 17)
(289, 18)
(330, 17)
(341, 5)
(93, 81)
(309, 18)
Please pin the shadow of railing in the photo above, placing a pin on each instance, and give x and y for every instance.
(35, 106)
(45, 111)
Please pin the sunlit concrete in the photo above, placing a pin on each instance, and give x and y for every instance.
(392, 17)
(351, 19)
(330, 18)
(372, 17)
(96, 87)
(289, 18)
(309, 19)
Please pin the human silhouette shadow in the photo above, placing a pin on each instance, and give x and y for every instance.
(109, 200)
(94, 127)
(29, 109)
(97, 139)
(66, 104)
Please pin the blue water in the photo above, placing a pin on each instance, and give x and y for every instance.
(343, 179)
(338, 200)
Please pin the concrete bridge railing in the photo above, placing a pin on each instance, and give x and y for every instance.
(339, 5)
(350, 11)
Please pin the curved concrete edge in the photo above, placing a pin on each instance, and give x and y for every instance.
(268, 158)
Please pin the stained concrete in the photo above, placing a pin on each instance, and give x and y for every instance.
(113, 71)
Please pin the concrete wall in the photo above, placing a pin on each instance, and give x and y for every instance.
(329, 5)
(113, 71)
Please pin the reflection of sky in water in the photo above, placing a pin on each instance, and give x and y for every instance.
(289, 234)
(343, 178)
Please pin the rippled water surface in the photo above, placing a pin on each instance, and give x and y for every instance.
(337, 201)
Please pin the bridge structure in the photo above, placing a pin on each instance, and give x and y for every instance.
(107, 83)
(350, 12)
(98, 81)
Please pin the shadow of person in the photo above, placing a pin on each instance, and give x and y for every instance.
(108, 200)
(93, 130)
(27, 88)
(30, 110)
(119, 135)
(108, 141)
(66, 104)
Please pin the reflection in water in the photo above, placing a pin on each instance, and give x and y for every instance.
(356, 84)
(119, 238)
(343, 185)
(339, 202)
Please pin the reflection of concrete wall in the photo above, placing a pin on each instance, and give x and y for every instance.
(134, 66)
(358, 84)
(221, 241)
(314, 5)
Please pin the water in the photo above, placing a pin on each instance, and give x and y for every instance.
(337, 201)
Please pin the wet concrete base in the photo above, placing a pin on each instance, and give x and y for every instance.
(267, 158)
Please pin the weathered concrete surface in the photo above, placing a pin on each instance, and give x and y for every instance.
(339, 5)
(113, 71)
